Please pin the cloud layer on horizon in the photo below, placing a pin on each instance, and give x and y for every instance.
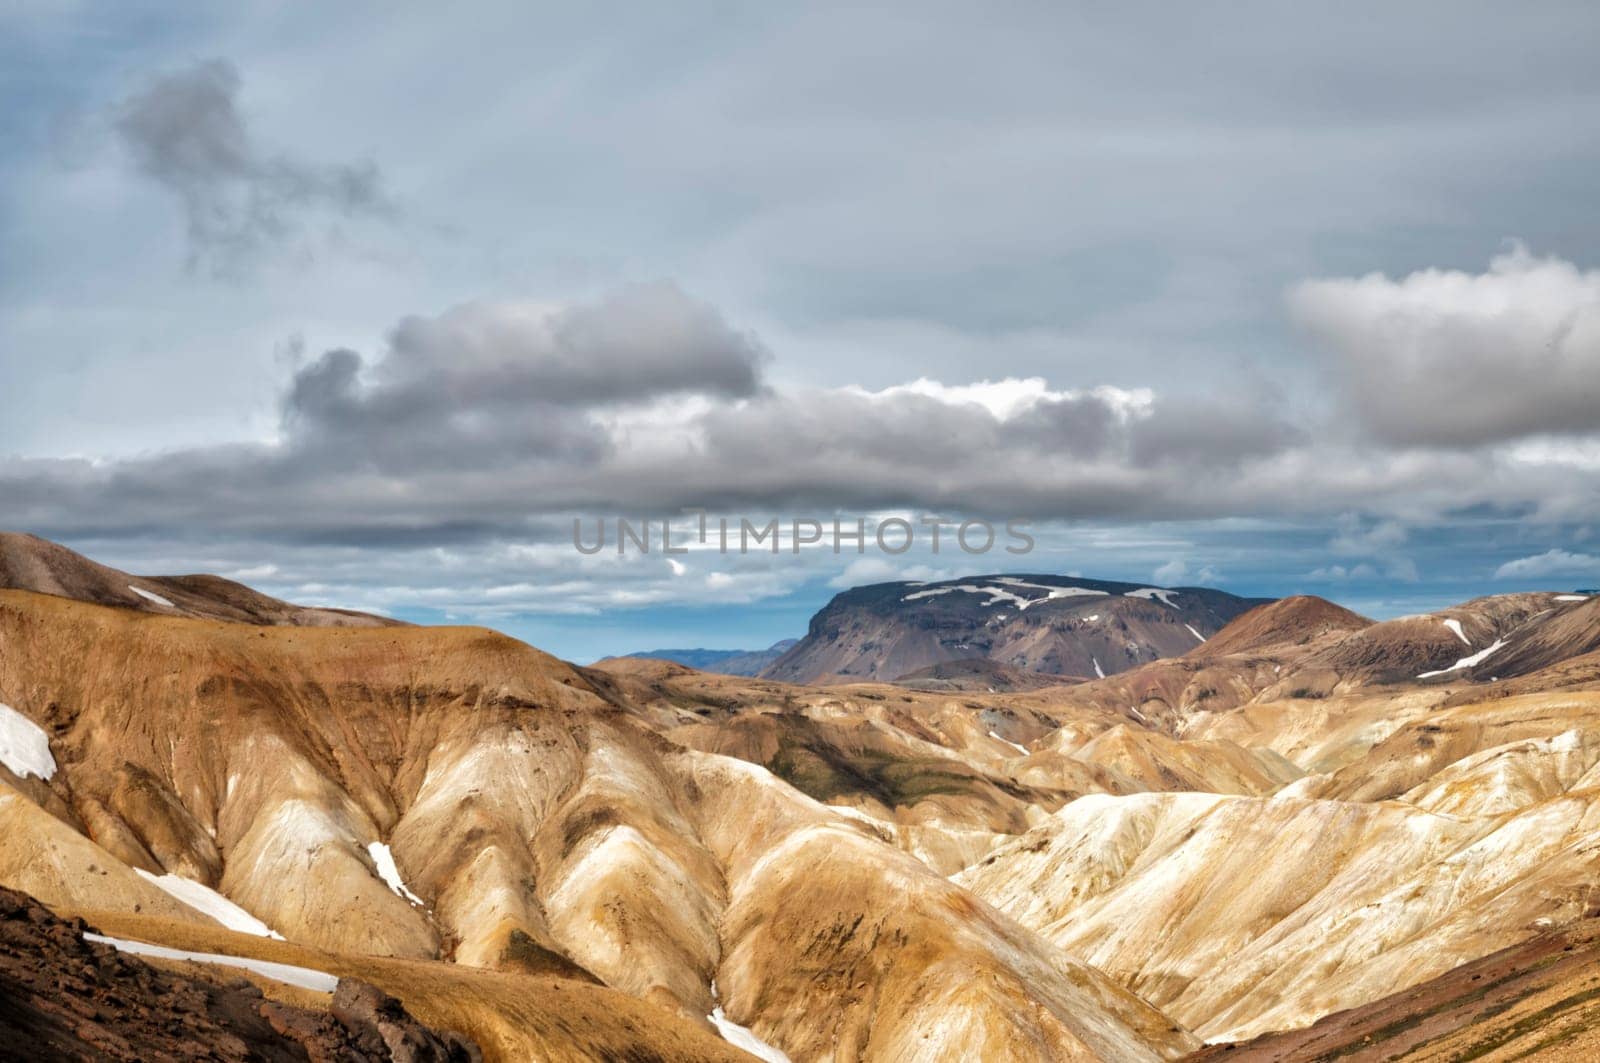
(496, 416)
(1031, 266)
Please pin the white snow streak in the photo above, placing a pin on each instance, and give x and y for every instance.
(24, 747)
(207, 901)
(1097, 669)
(304, 977)
(1020, 749)
(150, 597)
(1054, 592)
(1000, 594)
(741, 1036)
(384, 858)
(1468, 662)
(1572, 597)
(1154, 594)
(1195, 633)
(1455, 625)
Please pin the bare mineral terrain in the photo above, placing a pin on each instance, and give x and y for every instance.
(1009, 818)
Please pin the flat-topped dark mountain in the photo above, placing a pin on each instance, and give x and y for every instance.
(1056, 625)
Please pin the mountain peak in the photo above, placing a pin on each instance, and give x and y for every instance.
(1294, 620)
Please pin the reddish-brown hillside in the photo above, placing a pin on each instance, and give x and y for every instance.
(1288, 622)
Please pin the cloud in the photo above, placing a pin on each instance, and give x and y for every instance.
(1177, 572)
(513, 385)
(1343, 573)
(184, 129)
(1378, 542)
(867, 570)
(1553, 562)
(1355, 537)
(1454, 359)
(639, 342)
(503, 417)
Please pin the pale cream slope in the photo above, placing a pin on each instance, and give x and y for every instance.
(1242, 915)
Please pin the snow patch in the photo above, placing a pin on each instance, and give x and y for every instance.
(741, 1037)
(384, 858)
(151, 597)
(207, 901)
(1020, 749)
(1153, 594)
(24, 747)
(1572, 597)
(1001, 594)
(1095, 616)
(1097, 669)
(996, 594)
(1195, 633)
(1468, 662)
(304, 977)
(1455, 625)
(1052, 592)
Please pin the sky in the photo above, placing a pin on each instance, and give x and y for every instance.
(365, 304)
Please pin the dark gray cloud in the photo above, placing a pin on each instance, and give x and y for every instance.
(641, 342)
(493, 386)
(495, 417)
(185, 130)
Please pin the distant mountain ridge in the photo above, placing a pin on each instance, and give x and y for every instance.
(1049, 624)
(29, 563)
(723, 662)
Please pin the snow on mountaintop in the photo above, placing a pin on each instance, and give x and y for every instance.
(1001, 594)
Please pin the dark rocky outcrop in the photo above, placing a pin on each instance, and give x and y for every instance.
(64, 998)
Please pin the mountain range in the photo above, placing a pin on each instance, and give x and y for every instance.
(725, 662)
(1293, 833)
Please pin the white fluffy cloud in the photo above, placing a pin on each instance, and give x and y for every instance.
(1551, 563)
(1448, 358)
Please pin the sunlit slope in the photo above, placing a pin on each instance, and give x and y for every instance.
(542, 825)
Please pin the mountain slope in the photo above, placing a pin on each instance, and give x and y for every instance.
(1052, 624)
(537, 821)
(725, 662)
(1537, 999)
(1291, 621)
(63, 997)
(29, 563)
